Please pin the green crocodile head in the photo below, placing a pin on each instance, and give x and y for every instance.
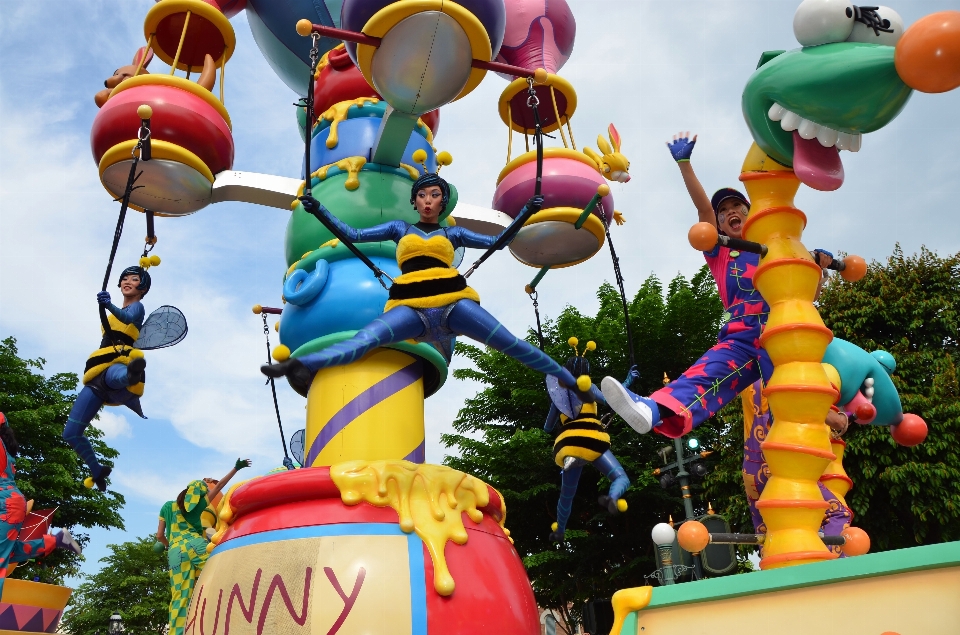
(804, 105)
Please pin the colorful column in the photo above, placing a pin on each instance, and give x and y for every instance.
(797, 448)
(370, 410)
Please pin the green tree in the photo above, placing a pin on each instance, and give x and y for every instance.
(500, 439)
(910, 307)
(133, 582)
(48, 470)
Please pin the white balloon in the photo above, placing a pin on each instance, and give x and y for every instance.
(823, 21)
(663, 534)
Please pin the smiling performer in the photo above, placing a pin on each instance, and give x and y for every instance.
(430, 302)
(738, 359)
(114, 373)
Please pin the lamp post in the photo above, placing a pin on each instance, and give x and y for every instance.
(115, 625)
(663, 536)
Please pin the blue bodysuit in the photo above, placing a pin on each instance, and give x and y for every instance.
(105, 381)
(430, 301)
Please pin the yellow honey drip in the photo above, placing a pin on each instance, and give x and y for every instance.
(412, 171)
(338, 112)
(350, 165)
(325, 60)
(429, 500)
(626, 601)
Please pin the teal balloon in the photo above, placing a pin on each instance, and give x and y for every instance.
(273, 24)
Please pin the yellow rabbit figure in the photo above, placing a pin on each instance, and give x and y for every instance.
(613, 165)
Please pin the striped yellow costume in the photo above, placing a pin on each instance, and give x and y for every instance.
(582, 437)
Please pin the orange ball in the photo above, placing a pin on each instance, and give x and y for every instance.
(855, 269)
(857, 541)
(703, 236)
(693, 535)
(928, 55)
(909, 432)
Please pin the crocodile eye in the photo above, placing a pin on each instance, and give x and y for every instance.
(823, 21)
(889, 19)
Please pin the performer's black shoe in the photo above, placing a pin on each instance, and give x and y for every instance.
(101, 480)
(610, 504)
(135, 370)
(296, 373)
(556, 536)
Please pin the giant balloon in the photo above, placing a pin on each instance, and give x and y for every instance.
(273, 23)
(539, 34)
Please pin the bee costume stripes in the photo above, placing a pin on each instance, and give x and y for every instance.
(113, 374)
(430, 302)
(583, 440)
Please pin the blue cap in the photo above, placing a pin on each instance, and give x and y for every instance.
(723, 194)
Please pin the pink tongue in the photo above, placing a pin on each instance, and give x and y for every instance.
(816, 166)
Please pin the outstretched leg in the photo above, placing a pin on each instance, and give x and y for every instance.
(85, 408)
(570, 478)
(619, 481)
(396, 325)
(470, 319)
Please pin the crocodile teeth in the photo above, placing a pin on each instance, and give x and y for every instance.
(828, 137)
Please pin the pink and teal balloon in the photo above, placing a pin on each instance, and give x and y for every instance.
(539, 34)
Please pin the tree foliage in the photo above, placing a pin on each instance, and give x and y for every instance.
(133, 582)
(48, 470)
(500, 439)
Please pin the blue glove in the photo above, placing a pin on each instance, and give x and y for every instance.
(103, 297)
(288, 463)
(632, 376)
(535, 202)
(682, 147)
(310, 204)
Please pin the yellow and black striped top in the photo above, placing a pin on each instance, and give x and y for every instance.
(582, 437)
(428, 279)
(109, 353)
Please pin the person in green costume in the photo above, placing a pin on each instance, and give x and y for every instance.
(181, 533)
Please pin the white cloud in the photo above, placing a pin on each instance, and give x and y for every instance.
(113, 425)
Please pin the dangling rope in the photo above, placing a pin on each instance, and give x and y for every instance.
(536, 311)
(273, 386)
(533, 101)
(623, 294)
(307, 102)
(141, 149)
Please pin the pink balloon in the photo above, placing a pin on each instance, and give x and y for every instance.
(539, 34)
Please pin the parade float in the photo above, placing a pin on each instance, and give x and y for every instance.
(366, 537)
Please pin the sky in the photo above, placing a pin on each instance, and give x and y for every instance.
(652, 67)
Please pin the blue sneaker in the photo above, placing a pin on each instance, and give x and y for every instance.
(640, 413)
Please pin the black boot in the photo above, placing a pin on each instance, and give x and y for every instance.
(101, 480)
(135, 371)
(556, 536)
(610, 504)
(296, 373)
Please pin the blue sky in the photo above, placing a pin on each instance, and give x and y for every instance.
(652, 67)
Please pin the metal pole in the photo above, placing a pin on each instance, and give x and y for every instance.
(666, 559)
(683, 478)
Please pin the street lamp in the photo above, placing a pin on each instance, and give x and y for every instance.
(116, 624)
(663, 536)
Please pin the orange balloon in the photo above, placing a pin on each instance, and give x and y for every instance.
(703, 236)
(855, 268)
(928, 55)
(857, 541)
(693, 535)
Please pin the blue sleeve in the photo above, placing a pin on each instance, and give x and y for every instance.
(394, 230)
(595, 392)
(463, 237)
(552, 417)
(133, 314)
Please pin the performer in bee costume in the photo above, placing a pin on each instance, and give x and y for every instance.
(583, 439)
(430, 301)
(114, 373)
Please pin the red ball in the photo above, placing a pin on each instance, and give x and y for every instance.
(865, 412)
(909, 432)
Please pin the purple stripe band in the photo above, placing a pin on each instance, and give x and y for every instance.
(380, 391)
(419, 455)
